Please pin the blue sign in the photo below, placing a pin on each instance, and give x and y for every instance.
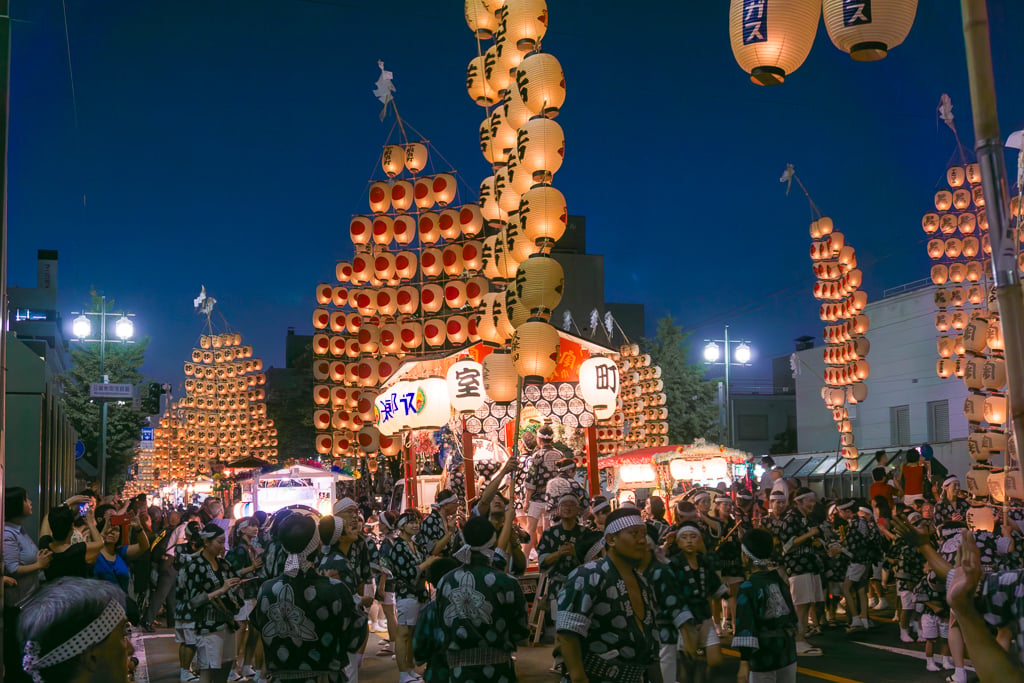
(856, 12)
(755, 21)
(147, 433)
(79, 449)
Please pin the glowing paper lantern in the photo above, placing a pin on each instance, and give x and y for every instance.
(465, 380)
(423, 193)
(415, 157)
(455, 295)
(541, 149)
(393, 160)
(448, 223)
(535, 347)
(541, 84)
(431, 263)
(434, 332)
(480, 91)
(867, 31)
(408, 300)
(471, 220)
(472, 255)
(771, 39)
(525, 22)
(539, 284)
(516, 111)
(412, 335)
(457, 329)
(401, 195)
(500, 380)
(360, 229)
(599, 382)
(380, 197)
(444, 187)
(543, 214)
(480, 19)
(451, 260)
(431, 298)
(436, 409)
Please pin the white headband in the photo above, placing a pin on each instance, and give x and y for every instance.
(297, 561)
(344, 504)
(624, 522)
(464, 553)
(806, 495)
(567, 467)
(594, 550)
(600, 506)
(339, 529)
(722, 499)
(866, 511)
(450, 498)
(756, 561)
(701, 496)
(93, 634)
(569, 496)
(950, 480)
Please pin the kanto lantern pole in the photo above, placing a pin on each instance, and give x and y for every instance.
(989, 148)
(467, 462)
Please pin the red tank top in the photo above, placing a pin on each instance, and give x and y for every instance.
(913, 479)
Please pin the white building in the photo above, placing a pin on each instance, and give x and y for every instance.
(907, 404)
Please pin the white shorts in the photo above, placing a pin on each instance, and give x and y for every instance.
(389, 598)
(786, 674)
(185, 634)
(908, 600)
(806, 589)
(707, 635)
(934, 626)
(246, 610)
(876, 572)
(407, 611)
(214, 649)
(536, 509)
(855, 572)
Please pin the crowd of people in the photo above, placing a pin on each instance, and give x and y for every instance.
(633, 594)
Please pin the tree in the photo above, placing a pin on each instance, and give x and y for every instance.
(122, 365)
(692, 410)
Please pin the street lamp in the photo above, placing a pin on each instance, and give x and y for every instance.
(124, 330)
(740, 355)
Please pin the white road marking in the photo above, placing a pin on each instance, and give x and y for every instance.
(142, 669)
(915, 654)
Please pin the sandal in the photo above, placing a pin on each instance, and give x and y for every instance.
(813, 631)
(807, 650)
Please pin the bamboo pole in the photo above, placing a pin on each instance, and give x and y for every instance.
(991, 159)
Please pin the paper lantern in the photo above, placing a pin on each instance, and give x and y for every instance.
(390, 340)
(465, 381)
(457, 329)
(321, 395)
(961, 198)
(430, 262)
(324, 443)
(368, 439)
(321, 318)
(503, 135)
(472, 255)
(599, 382)
(321, 345)
(944, 368)
(535, 347)
(771, 39)
(324, 294)
(407, 299)
(516, 312)
(497, 75)
(431, 298)
(448, 224)
(352, 374)
(525, 22)
(500, 379)
(393, 160)
(995, 334)
(480, 91)
(867, 31)
(943, 200)
(480, 19)
(486, 148)
(543, 214)
(451, 260)
(993, 374)
(476, 287)
(360, 229)
(352, 323)
(386, 367)
(520, 245)
(541, 84)
(367, 372)
(423, 193)
(362, 268)
(365, 302)
(387, 301)
(430, 230)
(351, 347)
(434, 332)
(380, 197)
(405, 265)
(415, 157)
(444, 187)
(539, 284)
(384, 265)
(508, 198)
(489, 258)
(401, 195)
(455, 294)
(506, 260)
(412, 335)
(540, 149)
(471, 220)
(486, 326)
(489, 201)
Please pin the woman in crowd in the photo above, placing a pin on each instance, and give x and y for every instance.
(114, 559)
(70, 559)
(75, 631)
(407, 563)
(244, 558)
(210, 602)
(24, 562)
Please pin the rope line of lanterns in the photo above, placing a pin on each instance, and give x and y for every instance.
(771, 38)
(223, 414)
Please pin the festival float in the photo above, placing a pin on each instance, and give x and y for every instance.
(440, 322)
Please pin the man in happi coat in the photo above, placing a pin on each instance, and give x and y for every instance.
(562, 483)
(606, 611)
(308, 623)
(438, 531)
(482, 612)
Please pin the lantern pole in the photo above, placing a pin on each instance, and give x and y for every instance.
(593, 478)
(991, 159)
(467, 462)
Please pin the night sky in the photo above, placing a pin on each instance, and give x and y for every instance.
(228, 142)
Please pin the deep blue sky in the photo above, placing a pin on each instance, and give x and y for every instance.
(227, 142)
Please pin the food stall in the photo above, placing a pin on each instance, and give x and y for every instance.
(294, 485)
(630, 477)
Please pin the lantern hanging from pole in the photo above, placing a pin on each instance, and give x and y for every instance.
(480, 91)
(540, 147)
(448, 223)
(517, 313)
(465, 381)
(404, 229)
(457, 329)
(543, 214)
(498, 77)
(500, 382)
(772, 38)
(489, 208)
(508, 198)
(435, 409)
(408, 299)
(401, 195)
(540, 282)
(480, 19)
(516, 111)
(430, 262)
(415, 157)
(393, 160)
(423, 193)
(434, 332)
(369, 439)
(541, 84)
(431, 298)
(444, 187)
(360, 229)
(525, 22)
(471, 220)
(476, 287)
(472, 255)
(412, 335)
(380, 197)
(391, 338)
(455, 296)
(535, 347)
(430, 230)
(868, 30)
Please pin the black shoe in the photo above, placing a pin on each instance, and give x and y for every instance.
(148, 628)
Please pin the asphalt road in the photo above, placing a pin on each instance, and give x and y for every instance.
(876, 656)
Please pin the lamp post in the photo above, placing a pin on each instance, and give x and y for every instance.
(124, 330)
(740, 356)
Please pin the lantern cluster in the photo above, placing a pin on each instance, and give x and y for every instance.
(837, 286)
(223, 414)
(970, 342)
(772, 38)
(641, 404)
(522, 90)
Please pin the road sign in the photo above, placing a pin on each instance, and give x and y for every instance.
(146, 442)
(79, 449)
(112, 392)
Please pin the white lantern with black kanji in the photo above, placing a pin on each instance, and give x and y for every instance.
(599, 382)
(771, 38)
(466, 386)
(868, 30)
(541, 84)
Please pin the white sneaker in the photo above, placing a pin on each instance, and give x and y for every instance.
(234, 676)
(947, 663)
(187, 676)
(906, 637)
(872, 602)
(882, 604)
(249, 672)
(932, 666)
